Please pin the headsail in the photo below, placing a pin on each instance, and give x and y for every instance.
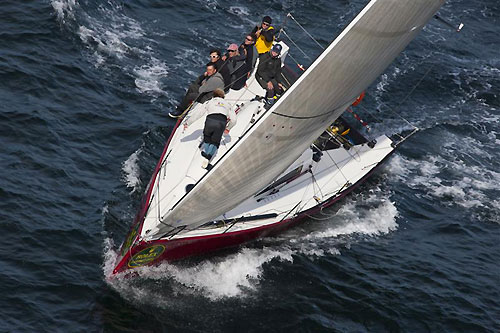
(346, 68)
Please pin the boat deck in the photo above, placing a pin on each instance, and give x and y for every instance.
(318, 176)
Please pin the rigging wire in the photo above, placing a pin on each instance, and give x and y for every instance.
(293, 18)
(293, 42)
(340, 170)
(410, 93)
(393, 110)
(317, 186)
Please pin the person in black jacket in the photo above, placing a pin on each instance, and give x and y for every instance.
(269, 73)
(250, 51)
(236, 63)
(220, 64)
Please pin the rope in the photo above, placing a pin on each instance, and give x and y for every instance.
(298, 47)
(298, 65)
(293, 18)
(415, 128)
(411, 92)
(340, 170)
(398, 107)
(283, 26)
(317, 185)
(314, 181)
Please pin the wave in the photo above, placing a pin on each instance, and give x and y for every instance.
(131, 171)
(239, 274)
(111, 37)
(450, 178)
(65, 10)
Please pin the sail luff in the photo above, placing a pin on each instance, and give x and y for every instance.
(347, 67)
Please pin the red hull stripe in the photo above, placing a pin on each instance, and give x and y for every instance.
(192, 246)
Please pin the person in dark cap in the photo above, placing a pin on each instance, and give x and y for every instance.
(265, 35)
(269, 73)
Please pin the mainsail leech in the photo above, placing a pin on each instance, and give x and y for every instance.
(346, 68)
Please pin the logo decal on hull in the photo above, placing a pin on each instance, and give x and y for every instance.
(130, 239)
(146, 256)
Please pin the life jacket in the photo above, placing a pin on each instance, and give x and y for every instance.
(262, 45)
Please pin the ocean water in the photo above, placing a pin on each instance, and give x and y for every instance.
(86, 87)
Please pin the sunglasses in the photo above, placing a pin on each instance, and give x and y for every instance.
(214, 56)
(231, 50)
(249, 39)
(264, 23)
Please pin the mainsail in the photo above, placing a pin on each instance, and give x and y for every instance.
(346, 68)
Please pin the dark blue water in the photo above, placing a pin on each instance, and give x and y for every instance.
(85, 90)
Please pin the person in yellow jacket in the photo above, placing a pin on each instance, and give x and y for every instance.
(265, 35)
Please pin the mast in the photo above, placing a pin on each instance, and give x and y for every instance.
(346, 68)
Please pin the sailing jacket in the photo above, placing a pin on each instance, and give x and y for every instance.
(265, 40)
(238, 69)
(211, 83)
(252, 56)
(216, 105)
(269, 68)
(221, 67)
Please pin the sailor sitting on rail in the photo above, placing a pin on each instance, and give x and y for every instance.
(250, 51)
(269, 73)
(220, 117)
(221, 66)
(201, 90)
(236, 63)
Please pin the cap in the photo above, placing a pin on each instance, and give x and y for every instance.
(267, 19)
(277, 48)
(232, 47)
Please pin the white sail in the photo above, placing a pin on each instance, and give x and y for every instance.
(346, 68)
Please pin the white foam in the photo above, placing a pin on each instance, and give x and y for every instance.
(243, 13)
(397, 166)
(240, 274)
(466, 184)
(110, 257)
(130, 169)
(222, 277)
(65, 9)
(383, 82)
(209, 4)
(195, 57)
(122, 39)
(350, 220)
(239, 10)
(105, 210)
(231, 276)
(149, 76)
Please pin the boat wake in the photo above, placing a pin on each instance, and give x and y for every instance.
(113, 38)
(239, 273)
(131, 171)
(453, 177)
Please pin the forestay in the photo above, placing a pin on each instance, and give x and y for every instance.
(346, 68)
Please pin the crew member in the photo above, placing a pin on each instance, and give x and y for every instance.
(220, 117)
(269, 73)
(265, 35)
(201, 90)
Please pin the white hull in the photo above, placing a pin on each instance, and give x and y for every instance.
(181, 167)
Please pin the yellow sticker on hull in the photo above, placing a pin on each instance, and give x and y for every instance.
(146, 256)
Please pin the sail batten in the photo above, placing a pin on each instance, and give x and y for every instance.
(347, 67)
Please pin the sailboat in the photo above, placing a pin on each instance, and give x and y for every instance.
(278, 165)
